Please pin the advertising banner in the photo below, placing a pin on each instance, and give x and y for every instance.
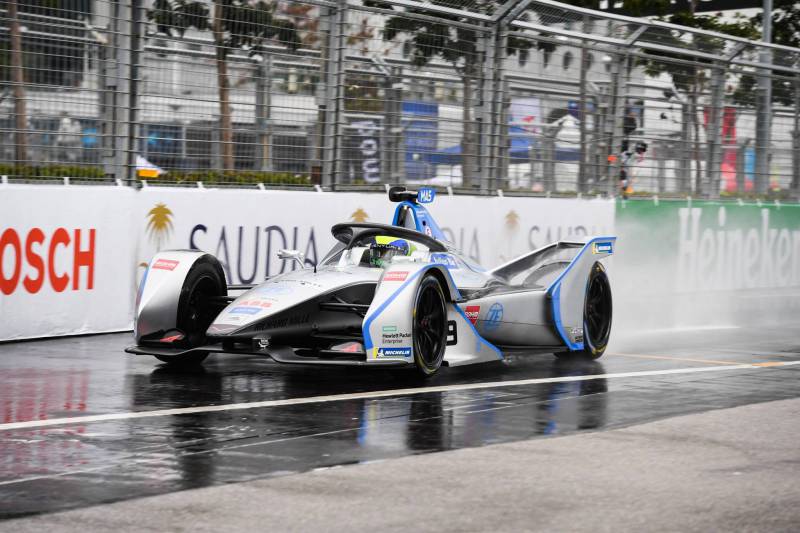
(66, 260)
(706, 262)
(712, 246)
(421, 137)
(361, 159)
(245, 229)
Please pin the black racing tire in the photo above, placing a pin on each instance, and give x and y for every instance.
(429, 329)
(196, 312)
(597, 313)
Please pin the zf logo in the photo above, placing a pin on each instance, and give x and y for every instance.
(493, 317)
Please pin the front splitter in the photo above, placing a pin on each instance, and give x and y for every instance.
(279, 354)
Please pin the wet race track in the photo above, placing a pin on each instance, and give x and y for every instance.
(84, 424)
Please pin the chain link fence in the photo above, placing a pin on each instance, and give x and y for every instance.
(523, 96)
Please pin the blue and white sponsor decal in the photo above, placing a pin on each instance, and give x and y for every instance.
(274, 290)
(444, 259)
(394, 352)
(245, 310)
(425, 195)
(604, 247)
(493, 317)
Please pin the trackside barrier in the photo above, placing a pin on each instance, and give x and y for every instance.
(71, 258)
(706, 263)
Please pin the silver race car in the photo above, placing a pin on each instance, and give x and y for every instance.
(396, 295)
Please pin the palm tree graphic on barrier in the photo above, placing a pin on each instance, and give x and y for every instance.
(159, 224)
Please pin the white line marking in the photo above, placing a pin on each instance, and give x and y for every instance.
(375, 394)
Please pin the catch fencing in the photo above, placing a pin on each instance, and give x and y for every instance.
(520, 96)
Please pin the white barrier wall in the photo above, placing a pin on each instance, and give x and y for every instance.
(55, 280)
(66, 256)
(244, 229)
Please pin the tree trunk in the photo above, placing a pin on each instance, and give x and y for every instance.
(18, 81)
(468, 146)
(223, 85)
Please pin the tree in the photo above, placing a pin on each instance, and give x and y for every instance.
(785, 23)
(786, 32)
(692, 77)
(457, 46)
(234, 24)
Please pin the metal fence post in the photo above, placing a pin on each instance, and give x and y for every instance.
(713, 136)
(134, 56)
(334, 95)
(18, 82)
(109, 79)
(492, 45)
(616, 115)
(504, 140)
(685, 152)
(263, 101)
(118, 78)
(392, 146)
(122, 93)
(764, 108)
(584, 109)
(660, 148)
(548, 141)
(795, 187)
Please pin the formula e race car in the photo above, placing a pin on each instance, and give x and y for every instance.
(396, 295)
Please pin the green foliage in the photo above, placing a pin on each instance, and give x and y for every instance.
(786, 32)
(244, 23)
(456, 45)
(208, 177)
(783, 90)
(785, 23)
(636, 8)
(32, 172)
(687, 77)
(213, 177)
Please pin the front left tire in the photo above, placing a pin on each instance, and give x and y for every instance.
(196, 311)
(429, 332)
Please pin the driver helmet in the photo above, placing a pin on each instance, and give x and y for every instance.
(384, 248)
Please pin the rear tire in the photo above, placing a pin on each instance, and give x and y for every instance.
(597, 313)
(429, 331)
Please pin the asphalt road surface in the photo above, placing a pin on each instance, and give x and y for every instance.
(84, 426)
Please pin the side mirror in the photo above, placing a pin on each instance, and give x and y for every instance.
(295, 255)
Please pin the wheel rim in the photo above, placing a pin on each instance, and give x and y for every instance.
(598, 311)
(429, 325)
